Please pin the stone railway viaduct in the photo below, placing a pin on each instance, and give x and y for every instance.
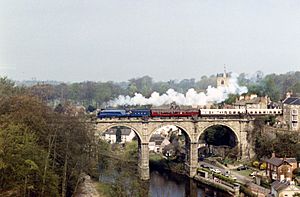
(191, 128)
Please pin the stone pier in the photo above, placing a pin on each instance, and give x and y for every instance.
(144, 161)
(191, 158)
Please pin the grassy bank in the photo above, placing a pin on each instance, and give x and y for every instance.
(102, 188)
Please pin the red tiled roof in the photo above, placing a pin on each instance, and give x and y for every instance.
(279, 161)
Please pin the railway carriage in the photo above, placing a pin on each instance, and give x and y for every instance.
(175, 113)
(222, 112)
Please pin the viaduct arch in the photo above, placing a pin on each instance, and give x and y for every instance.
(193, 130)
(220, 124)
(176, 125)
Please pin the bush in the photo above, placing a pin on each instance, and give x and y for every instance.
(263, 166)
(265, 184)
(255, 164)
(204, 169)
(224, 178)
(247, 191)
(296, 172)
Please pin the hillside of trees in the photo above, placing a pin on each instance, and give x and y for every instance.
(265, 142)
(273, 85)
(97, 93)
(42, 152)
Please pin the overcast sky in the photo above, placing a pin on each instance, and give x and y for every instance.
(79, 40)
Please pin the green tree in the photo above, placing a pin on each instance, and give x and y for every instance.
(8, 87)
(270, 88)
(131, 151)
(296, 87)
(60, 145)
(22, 162)
(231, 99)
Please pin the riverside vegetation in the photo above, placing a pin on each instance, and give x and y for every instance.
(42, 151)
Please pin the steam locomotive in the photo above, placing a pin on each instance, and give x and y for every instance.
(177, 112)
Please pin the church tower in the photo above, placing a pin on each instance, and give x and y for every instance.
(223, 79)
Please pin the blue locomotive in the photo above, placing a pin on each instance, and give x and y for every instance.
(121, 113)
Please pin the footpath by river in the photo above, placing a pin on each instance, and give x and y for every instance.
(87, 188)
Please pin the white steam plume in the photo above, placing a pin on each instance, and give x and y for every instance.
(191, 97)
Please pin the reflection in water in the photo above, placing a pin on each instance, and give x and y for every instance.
(164, 185)
(173, 185)
(125, 182)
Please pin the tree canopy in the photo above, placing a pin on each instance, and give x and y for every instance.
(42, 152)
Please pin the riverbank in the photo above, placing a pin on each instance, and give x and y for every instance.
(102, 188)
(217, 185)
(87, 188)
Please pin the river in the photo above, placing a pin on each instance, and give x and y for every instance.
(125, 182)
(173, 185)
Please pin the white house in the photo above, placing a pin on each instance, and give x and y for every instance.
(111, 135)
(284, 189)
(157, 143)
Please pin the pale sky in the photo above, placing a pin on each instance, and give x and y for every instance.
(97, 40)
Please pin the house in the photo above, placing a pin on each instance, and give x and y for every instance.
(251, 102)
(163, 144)
(284, 189)
(157, 143)
(291, 110)
(152, 146)
(280, 168)
(118, 135)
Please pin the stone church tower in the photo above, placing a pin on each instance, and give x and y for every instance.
(223, 79)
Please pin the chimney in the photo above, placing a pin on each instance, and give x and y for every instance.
(289, 94)
(273, 154)
(252, 96)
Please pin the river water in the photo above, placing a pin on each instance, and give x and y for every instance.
(125, 182)
(173, 185)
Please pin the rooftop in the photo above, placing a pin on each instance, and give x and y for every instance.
(278, 186)
(292, 101)
(156, 137)
(279, 161)
(256, 100)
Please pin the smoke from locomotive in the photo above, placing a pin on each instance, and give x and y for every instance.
(191, 97)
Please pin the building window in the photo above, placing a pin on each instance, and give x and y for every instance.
(294, 118)
(294, 124)
(294, 111)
